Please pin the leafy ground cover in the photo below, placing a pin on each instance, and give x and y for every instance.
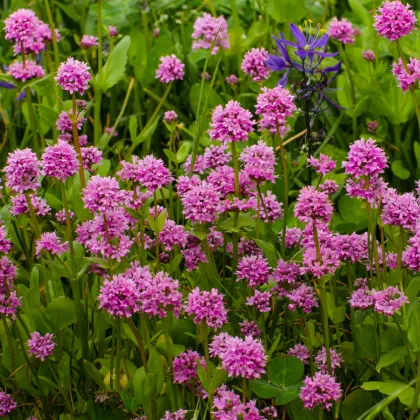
(210, 210)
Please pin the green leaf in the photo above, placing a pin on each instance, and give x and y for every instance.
(150, 386)
(413, 289)
(138, 385)
(388, 359)
(268, 250)
(146, 134)
(183, 151)
(94, 373)
(360, 12)
(356, 404)
(285, 371)
(202, 374)
(132, 124)
(61, 312)
(264, 389)
(214, 98)
(288, 394)
(399, 170)
(339, 314)
(114, 68)
(414, 329)
(285, 11)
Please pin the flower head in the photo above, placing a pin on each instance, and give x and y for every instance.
(176, 415)
(321, 360)
(394, 20)
(30, 70)
(260, 300)
(206, 28)
(119, 296)
(232, 80)
(22, 171)
(300, 351)
(185, 366)
(313, 205)
(90, 156)
(7, 403)
(259, 162)
(369, 55)
(170, 116)
(231, 123)
(170, 68)
(254, 269)
(73, 76)
(50, 242)
(253, 64)
(60, 161)
(102, 193)
(250, 328)
(320, 390)
(323, 165)
(152, 173)
(207, 307)
(7, 275)
(41, 346)
(112, 31)
(389, 300)
(302, 297)
(89, 41)
(341, 30)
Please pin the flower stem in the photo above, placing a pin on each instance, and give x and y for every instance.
(111, 367)
(139, 343)
(35, 223)
(10, 344)
(68, 224)
(117, 361)
(207, 357)
(77, 143)
(236, 214)
(416, 393)
(168, 344)
(53, 34)
(32, 119)
(156, 232)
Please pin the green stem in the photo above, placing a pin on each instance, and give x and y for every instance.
(32, 119)
(35, 223)
(235, 236)
(139, 343)
(286, 192)
(10, 345)
(207, 357)
(99, 14)
(53, 35)
(156, 232)
(117, 361)
(68, 224)
(416, 393)
(111, 367)
(77, 143)
(400, 276)
(168, 344)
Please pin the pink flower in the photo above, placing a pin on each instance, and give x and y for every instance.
(170, 116)
(342, 30)
(9, 304)
(400, 210)
(215, 156)
(193, 255)
(274, 106)
(361, 299)
(270, 208)
(232, 123)
(60, 216)
(369, 55)
(173, 235)
(20, 205)
(112, 31)
(177, 415)
(170, 68)
(394, 20)
(90, 156)
(41, 346)
(260, 300)
(60, 161)
(286, 272)
(206, 28)
(372, 126)
(301, 352)
(22, 171)
(320, 390)
(5, 244)
(185, 367)
(253, 64)
(406, 77)
(73, 76)
(89, 41)
(389, 300)
(200, 203)
(50, 242)
(30, 70)
(7, 275)
(7, 403)
(259, 162)
(250, 328)
(207, 307)
(293, 236)
(313, 205)
(321, 360)
(323, 165)
(152, 173)
(102, 193)
(254, 269)
(119, 296)
(232, 80)
(329, 187)
(64, 123)
(302, 297)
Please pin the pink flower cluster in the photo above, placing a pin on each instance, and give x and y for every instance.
(406, 75)
(41, 346)
(206, 28)
(27, 71)
(253, 64)
(342, 30)
(73, 76)
(170, 68)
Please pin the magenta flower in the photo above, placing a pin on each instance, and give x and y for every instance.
(411, 256)
(50, 242)
(160, 296)
(21, 27)
(270, 208)
(22, 171)
(177, 415)
(102, 194)
(20, 205)
(173, 235)
(243, 357)
(321, 360)
(119, 296)
(250, 328)
(73, 76)
(320, 390)
(361, 299)
(313, 205)
(400, 210)
(369, 55)
(286, 272)
(341, 30)
(254, 269)
(185, 367)
(200, 203)
(394, 20)
(170, 116)
(293, 236)
(389, 301)
(64, 123)
(323, 165)
(329, 187)
(301, 352)
(205, 29)
(89, 41)
(207, 307)
(260, 300)
(60, 216)
(60, 161)
(406, 77)
(41, 346)
(302, 297)
(193, 255)
(152, 173)
(232, 80)
(170, 68)
(232, 123)
(5, 244)
(9, 304)
(7, 275)
(30, 70)
(90, 156)
(259, 162)
(253, 64)
(215, 156)
(372, 126)
(7, 403)
(274, 106)
(112, 31)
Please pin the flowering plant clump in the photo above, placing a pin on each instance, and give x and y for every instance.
(204, 217)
